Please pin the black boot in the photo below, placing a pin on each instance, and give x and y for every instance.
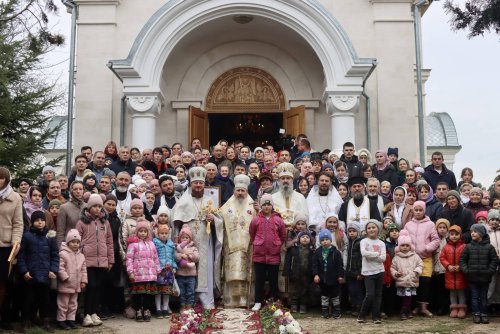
(47, 326)
(485, 319)
(476, 318)
(71, 324)
(63, 325)
(325, 313)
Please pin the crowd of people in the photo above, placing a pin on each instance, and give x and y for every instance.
(127, 230)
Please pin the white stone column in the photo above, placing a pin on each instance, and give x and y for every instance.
(144, 110)
(342, 109)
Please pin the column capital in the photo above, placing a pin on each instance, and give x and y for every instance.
(144, 105)
(341, 103)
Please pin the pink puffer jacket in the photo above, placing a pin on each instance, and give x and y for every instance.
(97, 240)
(267, 237)
(72, 270)
(142, 260)
(424, 236)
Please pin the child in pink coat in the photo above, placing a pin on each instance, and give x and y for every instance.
(72, 279)
(143, 267)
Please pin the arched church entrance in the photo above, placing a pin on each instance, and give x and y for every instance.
(245, 103)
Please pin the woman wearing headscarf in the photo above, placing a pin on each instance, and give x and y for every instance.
(383, 170)
(456, 214)
(11, 227)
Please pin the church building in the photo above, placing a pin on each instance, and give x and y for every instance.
(157, 72)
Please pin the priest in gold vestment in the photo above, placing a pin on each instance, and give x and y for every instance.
(237, 214)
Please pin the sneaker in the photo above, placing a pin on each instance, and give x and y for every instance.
(377, 321)
(71, 324)
(87, 321)
(257, 307)
(324, 313)
(96, 320)
(138, 316)
(476, 318)
(336, 313)
(361, 320)
(147, 315)
(484, 319)
(303, 309)
(158, 314)
(63, 325)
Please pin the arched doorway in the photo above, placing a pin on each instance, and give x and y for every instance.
(245, 103)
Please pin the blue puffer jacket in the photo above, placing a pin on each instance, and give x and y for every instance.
(38, 255)
(166, 253)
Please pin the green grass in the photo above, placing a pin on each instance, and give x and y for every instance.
(36, 330)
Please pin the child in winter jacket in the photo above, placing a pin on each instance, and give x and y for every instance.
(129, 225)
(339, 236)
(267, 235)
(72, 279)
(405, 268)
(162, 218)
(38, 263)
(300, 224)
(97, 247)
(455, 280)
(298, 268)
(328, 271)
(479, 262)
(143, 267)
(353, 276)
(165, 281)
(425, 239)
(389, 295)
(494, 234)
(186, 275)
(439, 294)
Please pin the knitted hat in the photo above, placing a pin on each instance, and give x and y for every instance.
(354, 225)
(266, 199)
(325, 166)
(37, 215)
(111, 197)
(139, 182)
(480, 214)
(404, 239)
(241, 181)
(476, 190)
(73, 235)
(108, 172)
(163, 209)
(88, 175)
(48, 168)
(197, 174)
(392, 150)
(148, 172)
(455, 194)
(479, 229)
(392, 226)
(302, 233)
(443, 221)
(143, 223)
(420, 204)
(162, 228)
(493, 214)
(324, 233)
(185, 230)
(455, 228)
(136, 202)
(374, 221)
(419, 170)
(55, 201)
(264, 176)
(94, 199)
(258, 149)
(299, 216)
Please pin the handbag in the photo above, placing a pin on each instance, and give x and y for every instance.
(175, 289)
(165, 277)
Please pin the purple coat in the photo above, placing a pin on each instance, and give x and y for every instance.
(267, 237)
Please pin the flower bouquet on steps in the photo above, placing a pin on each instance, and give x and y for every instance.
(276, 319)
(194, 321)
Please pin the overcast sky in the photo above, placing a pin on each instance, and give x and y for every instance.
(464, 82)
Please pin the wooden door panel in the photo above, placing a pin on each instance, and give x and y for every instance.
(198, 125)
(294, 121)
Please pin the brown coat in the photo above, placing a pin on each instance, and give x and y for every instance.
(68, 216)
(11, 220)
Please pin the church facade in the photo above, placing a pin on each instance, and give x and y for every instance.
(158, 72)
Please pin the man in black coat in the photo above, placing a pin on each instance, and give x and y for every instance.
(351, 160)
(437, 172)
(124, 163)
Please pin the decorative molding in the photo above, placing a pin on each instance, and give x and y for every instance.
(245, 89)
(144, 105)
(342, 103)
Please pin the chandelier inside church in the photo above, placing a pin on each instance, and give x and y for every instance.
(250, 123)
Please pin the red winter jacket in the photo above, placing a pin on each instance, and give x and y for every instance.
(450, 256)
(267, 236)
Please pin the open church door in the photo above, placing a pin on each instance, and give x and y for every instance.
(294, 121)
(198, 125)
